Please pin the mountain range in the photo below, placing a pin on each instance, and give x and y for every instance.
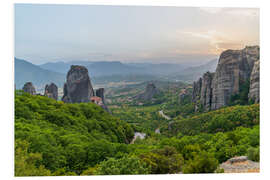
(105, 68)
(105, 71)
(191, 74)
(28, 72)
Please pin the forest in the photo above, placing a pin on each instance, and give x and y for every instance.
(54, 138)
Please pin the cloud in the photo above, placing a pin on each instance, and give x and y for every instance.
(211, 10)
(250, 12)
(214, 41)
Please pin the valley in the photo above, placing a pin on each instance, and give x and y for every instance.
(153, 126)
(134, 89)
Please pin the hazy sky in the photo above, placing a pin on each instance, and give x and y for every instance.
(46, 33)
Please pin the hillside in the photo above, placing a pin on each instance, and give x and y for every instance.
(53, 138)
(28, 72)
(70, 137)
(222, 120)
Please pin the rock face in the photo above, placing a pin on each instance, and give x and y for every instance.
(206, 90)
(149, 92)
(78, 87)
(240, 164)
(254, 90)
(51, 91)
(182, 95)
(29, 88)
(235, 67)
(197, 85)
(100, 93)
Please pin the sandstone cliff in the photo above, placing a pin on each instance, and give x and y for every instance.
(100, 93)
(149, 92)
(78, 87)
(206, 90)
(235, 68)
(254, 91)
(51, 91)
(29, 88)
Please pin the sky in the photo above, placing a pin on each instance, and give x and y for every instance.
(50, 33)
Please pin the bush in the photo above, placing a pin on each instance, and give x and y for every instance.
(28, 164)
(221, 120)
(202, 162)
(70, 137)
(125, 165)
(253, 154)
(164, 161)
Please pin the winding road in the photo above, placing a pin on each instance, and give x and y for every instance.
(163, 115)
(138, 135)
(142, 135)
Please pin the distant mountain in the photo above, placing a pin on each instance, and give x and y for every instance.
(25, 71)
(193, 73)
(109, 71)
(96, 69)
(159, 69)
(60, 67)
(209, 66)
(108, 68)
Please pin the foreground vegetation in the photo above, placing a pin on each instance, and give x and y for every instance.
(53, 138)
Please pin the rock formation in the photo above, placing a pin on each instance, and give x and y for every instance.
(182, 95)
(29, 88)
(197, 85)
(149, 92)
(100, 93)
(206, 90)
(214, 90)
(254, 90)
(78, 87)
(51, 91)
(240, 164)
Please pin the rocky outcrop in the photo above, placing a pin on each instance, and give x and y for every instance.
(254, 90)
(206, 90)
(196, 92)
(234, 69)
(51, 91)
(240, 164)
(29, 88)
(149, 92)
(182, 95)
(100, 93)
(78, 87)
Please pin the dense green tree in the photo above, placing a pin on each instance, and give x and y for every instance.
(253, 154)
(202, 162)
(164, 161)
(125, 165)
(28, 164)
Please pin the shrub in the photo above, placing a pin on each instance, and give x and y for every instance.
(27, 164)
(253, 154)
(125, 165)
(202, 162)
(164, 161)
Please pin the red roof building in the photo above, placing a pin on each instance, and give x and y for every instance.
(96, 100)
